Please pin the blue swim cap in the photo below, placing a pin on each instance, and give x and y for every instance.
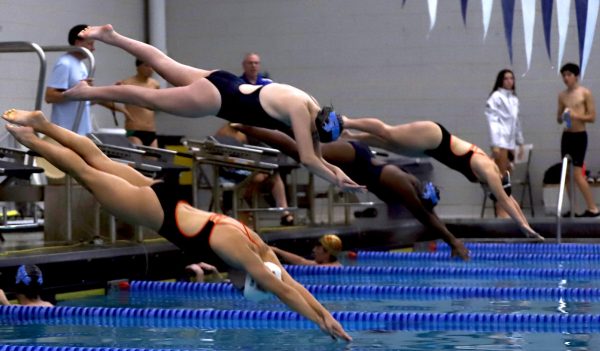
(430, 195)
(27, 273)
(329, 125)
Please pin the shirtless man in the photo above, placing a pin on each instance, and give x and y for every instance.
(139, 121)
(576, 107)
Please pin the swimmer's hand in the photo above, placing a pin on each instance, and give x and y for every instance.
(459, 249)
(348, 185)
(334, 328)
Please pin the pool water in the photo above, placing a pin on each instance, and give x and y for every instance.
(313, 339)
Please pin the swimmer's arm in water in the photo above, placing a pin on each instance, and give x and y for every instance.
(292, 258)
(329, 324)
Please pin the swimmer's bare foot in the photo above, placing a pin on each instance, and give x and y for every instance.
(24, 134)
(102, 33)
(34, 119)
(78, 91)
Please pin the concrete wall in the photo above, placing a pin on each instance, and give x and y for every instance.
(377, 58)
(367, 58)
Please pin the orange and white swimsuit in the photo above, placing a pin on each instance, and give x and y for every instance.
(460, 163)
(195, 245)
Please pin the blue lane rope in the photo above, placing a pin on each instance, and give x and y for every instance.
(237, 319)
(367, 292)
(399, 273)
(69, 348)
(573, 248)
(477, 256)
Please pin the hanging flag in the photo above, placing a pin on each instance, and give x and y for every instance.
(563, 12)
(432, 4)
(547, 22)
(486, 11)
(581, 7)
(463, 10)
(403, 3)
(528, 11)
(508, 11)
(590, 29)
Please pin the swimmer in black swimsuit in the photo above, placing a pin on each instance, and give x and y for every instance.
(429, 138)
(198, 93)
(139, 200)
(388, 182)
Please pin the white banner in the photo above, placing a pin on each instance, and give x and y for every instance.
(432, 12)
(486, 10)
(528, 10)
(563, 12)
(590, 28)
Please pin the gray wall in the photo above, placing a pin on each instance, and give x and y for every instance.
(376, 58)
(367, 57)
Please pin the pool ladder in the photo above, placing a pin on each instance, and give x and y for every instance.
(566, 163)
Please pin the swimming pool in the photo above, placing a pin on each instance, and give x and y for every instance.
(431, 297)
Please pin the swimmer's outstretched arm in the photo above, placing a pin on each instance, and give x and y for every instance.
(310, 151)
(237, 254)
(487, 172)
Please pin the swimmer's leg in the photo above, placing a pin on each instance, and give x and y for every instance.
(174, 72)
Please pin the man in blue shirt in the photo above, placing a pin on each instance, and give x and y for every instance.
(67, 72)
(251, 66)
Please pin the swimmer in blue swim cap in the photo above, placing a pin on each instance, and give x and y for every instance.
(28, 287)
(204, 236)
(198, 92)
(389, 182)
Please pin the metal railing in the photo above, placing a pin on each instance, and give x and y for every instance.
(25, 46)
(566, 164)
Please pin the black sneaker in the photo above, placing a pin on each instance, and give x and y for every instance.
(588, 213)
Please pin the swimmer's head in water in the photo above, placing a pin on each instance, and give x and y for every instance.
(252, 291)
(329, 125)
(331, 243)
(29, 281)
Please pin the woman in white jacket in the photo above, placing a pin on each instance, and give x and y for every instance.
(502, 112)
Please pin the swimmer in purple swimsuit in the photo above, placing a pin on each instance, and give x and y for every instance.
(199, 92)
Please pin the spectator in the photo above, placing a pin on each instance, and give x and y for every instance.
(251, 66)
(67, 72)
(502, 112)
(139, 121)
(274, 181)
(576, 108)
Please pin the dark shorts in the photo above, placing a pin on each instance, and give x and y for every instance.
(146, 137)
(575, 145)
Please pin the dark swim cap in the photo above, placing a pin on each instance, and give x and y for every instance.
(329, 125)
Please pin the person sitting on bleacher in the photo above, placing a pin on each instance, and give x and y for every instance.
(229, 135)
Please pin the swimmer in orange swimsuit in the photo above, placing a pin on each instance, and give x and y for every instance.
(140, 200)
(429, 138)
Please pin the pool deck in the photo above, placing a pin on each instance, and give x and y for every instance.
(77, 266)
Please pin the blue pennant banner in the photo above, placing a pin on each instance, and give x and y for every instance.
(463, 10)
(547, 22)
(581, 7)
(508, 11)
